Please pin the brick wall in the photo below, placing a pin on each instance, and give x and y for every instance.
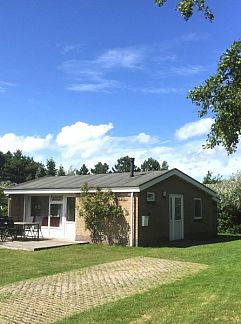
(124, 200)
(158, 229)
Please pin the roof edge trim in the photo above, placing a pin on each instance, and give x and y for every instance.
(65, 191)
(183, 176)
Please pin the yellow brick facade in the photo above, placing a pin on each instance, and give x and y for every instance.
(124, 200)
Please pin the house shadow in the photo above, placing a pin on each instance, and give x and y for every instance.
(221, 238)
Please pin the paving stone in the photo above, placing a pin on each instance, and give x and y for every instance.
(49, 298)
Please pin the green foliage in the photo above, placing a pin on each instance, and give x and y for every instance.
(3, 201)
(104, 218)
(51, 167)
(229, 208)
(210, 179)
(221, 94)
(124, 164)
(150, 165)
(100, 168)
(61, 171)
(17, 167)
(41, 171)
(83, 170)
(186, 8)
(164, 165)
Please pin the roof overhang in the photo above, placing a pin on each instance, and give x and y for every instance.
(66, 191)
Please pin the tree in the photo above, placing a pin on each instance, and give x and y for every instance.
(104, 218)
(100, 168)
(3, 201)
(150, 165)
(51, 167)
(61, 171)
(221, 94)
(41, 171)
(83, 170)
(186, 7)
(210, 179)
(17, 167)
(229, 207)
(164, 165)
(124, 164)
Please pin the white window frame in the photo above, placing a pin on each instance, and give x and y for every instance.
(201, 205)
(150, 196)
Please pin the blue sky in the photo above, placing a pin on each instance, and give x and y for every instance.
(89, 81)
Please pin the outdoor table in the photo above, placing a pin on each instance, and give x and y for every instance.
(29, 229)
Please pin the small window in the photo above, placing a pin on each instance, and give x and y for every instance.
(150, 196)
(145, 220)
(57, 199)
(198, 208)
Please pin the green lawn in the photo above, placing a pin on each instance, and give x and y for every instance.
(213, 295)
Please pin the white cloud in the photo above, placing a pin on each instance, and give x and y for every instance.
(189, 70)
(92, 75)
(4, 85)
(144, 138)
(162, 90)
(82, 140)
(81, 132)
(120, 58)
(197, 128)
(71, 48)
(27, 144)
(101, 85)
(86, 143)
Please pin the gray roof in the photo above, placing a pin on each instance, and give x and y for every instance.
(110, 180)
(116, 181)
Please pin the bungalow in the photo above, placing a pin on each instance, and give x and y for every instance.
(159, 206)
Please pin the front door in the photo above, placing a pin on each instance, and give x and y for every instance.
(176, 231)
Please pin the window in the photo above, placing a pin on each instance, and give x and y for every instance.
(70, 209)
(57, 199)
(145, 220)
(198, 208)
(150, 196)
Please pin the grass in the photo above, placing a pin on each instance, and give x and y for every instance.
(210, 296)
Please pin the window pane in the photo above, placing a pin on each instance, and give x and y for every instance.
(71, 209)
(197, 208)
(40, 209)
(57, 198)
(178, 209)
(55, 214)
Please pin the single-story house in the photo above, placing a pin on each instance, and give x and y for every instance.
(159, 206)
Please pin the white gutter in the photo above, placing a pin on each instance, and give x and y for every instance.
(65, 191)
(131, 221)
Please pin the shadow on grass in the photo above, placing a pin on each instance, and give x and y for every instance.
(221, 238)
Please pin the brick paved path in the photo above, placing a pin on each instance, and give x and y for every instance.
(46, 299)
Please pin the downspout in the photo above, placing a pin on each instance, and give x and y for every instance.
(24, 208)
(8, 206)
(131, 221)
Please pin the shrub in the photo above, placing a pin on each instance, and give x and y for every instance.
(3, 203)
(104, 218)
(229, 208)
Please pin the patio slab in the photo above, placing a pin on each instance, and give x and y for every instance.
(28, 245)
(50, 298)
